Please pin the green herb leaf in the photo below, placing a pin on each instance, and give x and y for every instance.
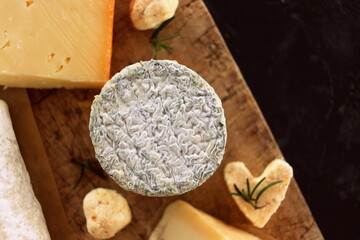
(236, 194)
(256, 186)
(79, 179)
(156, 44)
(248, 196)
(248, 187)
(90, 164)
(237, 189)
(161, 27)
(165, 46)
(264, 189)
(168, 38)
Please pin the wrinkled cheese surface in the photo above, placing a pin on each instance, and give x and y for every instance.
(52, 43)
(158, 128)
(181, 221)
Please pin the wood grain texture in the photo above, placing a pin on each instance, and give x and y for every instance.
(62, 117)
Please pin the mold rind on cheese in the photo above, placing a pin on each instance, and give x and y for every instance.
(158, 128)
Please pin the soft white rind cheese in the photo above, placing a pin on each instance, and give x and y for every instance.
(237, 173)
(21, 216)
(158, 128)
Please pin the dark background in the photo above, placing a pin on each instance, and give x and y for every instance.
(301, 60)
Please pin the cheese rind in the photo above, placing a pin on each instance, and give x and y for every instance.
(21, 216)
(158, 128)
(53, 43)
(181, 221)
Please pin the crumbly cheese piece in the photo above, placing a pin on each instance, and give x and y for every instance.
(181, 221)
(237, 173)
(149, 14)
(106, 212)
(158, 128)
(52, 43)
(21, 216)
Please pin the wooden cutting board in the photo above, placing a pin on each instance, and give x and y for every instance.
(60, 133)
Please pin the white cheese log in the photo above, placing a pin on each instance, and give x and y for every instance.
(21, 217)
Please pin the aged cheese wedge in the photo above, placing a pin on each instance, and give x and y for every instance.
(52, 43)
(158, 128)
(181, 221)
(237, 173)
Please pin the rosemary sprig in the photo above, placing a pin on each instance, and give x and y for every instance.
(157, 44)
(89, 164)
(248, 194)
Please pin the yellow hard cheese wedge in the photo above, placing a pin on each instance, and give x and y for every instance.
(52, 43)
(278, 170)
(181, 221)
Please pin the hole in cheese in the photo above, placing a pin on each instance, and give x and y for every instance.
(7, 44)
(61, 67)
(28, 3)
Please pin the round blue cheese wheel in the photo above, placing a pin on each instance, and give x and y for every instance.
(158, 128)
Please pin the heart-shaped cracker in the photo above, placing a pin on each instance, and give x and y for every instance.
(237, 173)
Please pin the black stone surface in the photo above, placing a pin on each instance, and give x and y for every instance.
(301, 60)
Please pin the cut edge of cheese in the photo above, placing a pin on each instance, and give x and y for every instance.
(109, 39)
(43, 81)
(181, 221)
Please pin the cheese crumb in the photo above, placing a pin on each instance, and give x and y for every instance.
(149, 14)
(106, 212)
